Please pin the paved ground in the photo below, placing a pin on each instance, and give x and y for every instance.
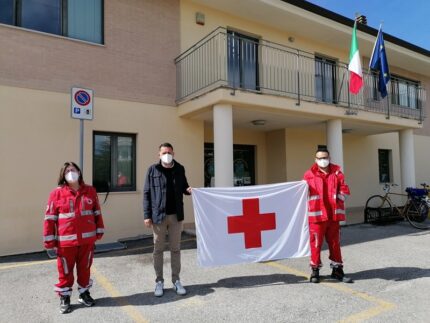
(390, 266)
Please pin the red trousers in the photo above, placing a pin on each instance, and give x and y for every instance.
(67, 257)
(331, 231)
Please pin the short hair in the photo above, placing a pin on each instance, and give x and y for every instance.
(322, 149)
(62, 176)
(167, 145)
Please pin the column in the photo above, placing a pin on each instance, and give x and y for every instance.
(334, 141)
(407, 158)
(223, 144)
(335, 144)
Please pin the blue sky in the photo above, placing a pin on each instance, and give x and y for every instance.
(407, 20)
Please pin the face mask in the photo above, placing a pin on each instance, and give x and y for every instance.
(72, 177)
(167, 158)
(322, 162)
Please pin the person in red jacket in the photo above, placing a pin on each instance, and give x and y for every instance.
(326, 208)
(73, 223)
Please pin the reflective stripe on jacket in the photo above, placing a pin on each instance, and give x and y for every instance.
(72, 218)
(337, 189)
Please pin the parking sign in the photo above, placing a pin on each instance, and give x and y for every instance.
(82, 103)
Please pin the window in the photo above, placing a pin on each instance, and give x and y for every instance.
(404, 92)
(242, 61)
(384, 160)
(325, 79)
(80, 19)
(114, 162)
(243, 165)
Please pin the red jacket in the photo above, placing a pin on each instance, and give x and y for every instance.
(336, 191)
(72, 218)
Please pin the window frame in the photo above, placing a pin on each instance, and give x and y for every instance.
(325, 61)
(395, 91)
(114, 160)
(388, 162)
(17, 12)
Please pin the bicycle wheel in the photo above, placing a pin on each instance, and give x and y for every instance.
(376, 208)
(417, 213)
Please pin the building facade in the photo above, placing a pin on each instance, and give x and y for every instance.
(244, 90)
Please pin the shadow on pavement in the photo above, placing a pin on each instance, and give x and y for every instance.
(169, 296)
(352, 234)
(391, 273)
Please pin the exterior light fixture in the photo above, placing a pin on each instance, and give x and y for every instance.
(200, 18)
(258, 122)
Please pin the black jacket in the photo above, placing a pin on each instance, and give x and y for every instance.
(154, 192)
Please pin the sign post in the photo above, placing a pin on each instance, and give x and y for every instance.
(82, 109)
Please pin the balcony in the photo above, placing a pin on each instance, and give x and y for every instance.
(225, 59)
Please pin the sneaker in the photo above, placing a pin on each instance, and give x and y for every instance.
(65, 304)
(180, 290)
(338, 274)
(159, 286)
(86, 299)
(315, 276)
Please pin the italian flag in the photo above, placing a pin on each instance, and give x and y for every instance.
(354, 67)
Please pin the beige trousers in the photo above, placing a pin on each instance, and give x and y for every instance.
(173, 227)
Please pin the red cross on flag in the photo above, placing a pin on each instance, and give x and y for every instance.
(251, 223)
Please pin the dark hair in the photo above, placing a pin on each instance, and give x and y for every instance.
(167, 145)
(322, 149)
(62, 176)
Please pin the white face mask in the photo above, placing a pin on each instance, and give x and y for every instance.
(167, 158)
(72, 177)
(323, 163)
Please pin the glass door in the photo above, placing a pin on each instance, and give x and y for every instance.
(242, 61)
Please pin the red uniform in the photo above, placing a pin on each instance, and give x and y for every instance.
(73, 222)
(326, 208)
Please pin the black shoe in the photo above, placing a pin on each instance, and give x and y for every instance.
(86, 299)
(338, 274)
(65, 304)
(315, 276)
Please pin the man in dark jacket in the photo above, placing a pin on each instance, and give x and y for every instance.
(163, 210)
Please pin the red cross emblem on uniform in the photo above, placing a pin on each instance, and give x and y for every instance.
(251, 223)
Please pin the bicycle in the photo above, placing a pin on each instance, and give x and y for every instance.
(416, 209)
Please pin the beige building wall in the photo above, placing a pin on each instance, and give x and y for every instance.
(37, 135)
(276, 156)
(422, 159)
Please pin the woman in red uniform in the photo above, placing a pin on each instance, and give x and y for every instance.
(73, 223)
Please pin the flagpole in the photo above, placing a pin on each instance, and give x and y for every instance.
(388, 106)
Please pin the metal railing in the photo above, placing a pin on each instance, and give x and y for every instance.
(223, 59)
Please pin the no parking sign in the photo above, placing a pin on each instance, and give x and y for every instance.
(82, 103)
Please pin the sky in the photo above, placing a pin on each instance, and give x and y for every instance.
(408, 20)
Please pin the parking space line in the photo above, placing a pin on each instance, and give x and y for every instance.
(130, 310)
(25, 264)
(382, 305)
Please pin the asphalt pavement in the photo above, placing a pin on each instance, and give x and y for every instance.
(389, 265)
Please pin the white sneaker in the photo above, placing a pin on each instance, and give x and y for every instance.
(180, 290)
(159, 289)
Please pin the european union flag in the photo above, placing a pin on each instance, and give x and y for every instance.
(378, 62)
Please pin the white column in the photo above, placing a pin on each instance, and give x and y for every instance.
(334, 141)
(335, 144)
(407, 158)
(223, 144)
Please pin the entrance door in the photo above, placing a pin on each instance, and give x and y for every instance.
(325, 79)
(242, 61)
(243, 165)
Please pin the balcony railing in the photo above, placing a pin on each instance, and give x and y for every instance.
(223, 59)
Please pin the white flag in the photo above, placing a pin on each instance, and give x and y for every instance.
(251, 223)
